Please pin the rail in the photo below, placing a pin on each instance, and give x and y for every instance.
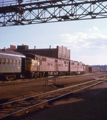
(46, 101)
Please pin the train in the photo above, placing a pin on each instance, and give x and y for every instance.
(14, 65)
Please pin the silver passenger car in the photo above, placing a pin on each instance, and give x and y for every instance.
(10, 63)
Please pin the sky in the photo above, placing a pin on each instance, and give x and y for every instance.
(87, 39)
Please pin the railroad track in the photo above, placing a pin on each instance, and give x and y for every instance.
(4, 83)
(19, 107)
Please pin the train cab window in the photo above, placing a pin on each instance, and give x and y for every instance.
(3, 61)
(7, 61)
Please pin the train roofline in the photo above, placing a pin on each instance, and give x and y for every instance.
(13, 55)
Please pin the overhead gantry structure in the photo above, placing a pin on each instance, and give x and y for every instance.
(46, 11)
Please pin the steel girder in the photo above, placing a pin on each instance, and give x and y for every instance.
(52, 11)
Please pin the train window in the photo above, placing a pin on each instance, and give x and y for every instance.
(7, 61)
(64, 55)
(19, 62)
(48, 63)
(56, 61)
(43, 59)
(15, 62)
(60, 55)
(11, 61)
(3, 61)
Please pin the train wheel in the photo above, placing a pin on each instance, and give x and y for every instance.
(18, 76)
(9, 78)
(40, 75)
(35, 75)
(59, 74)
(43, 74)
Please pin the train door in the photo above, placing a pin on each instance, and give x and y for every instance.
(38, 66)
(23, 65)
(56, 65)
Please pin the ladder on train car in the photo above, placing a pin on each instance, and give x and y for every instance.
(50, 80)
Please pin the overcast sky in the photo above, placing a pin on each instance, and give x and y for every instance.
(86, 39)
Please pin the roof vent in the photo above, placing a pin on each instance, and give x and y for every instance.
(4, 49)
(50, 47)
(34, 47)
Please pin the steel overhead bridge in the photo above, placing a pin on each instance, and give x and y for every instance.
(46, 11)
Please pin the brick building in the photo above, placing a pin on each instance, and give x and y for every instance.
(58, 52)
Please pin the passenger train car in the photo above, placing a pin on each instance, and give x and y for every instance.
(11, 64)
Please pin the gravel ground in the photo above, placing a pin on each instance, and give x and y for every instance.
(88, 105)
(9, 92)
